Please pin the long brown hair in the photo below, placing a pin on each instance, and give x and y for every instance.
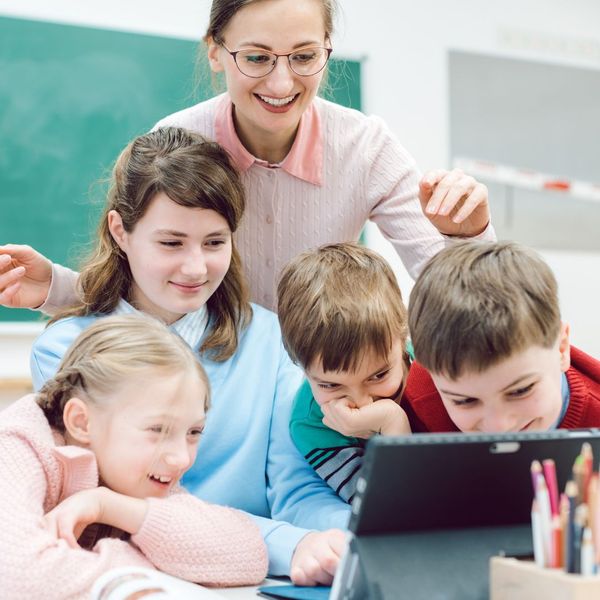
(193, 172)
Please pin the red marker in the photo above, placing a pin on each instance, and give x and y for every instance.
(557, 184)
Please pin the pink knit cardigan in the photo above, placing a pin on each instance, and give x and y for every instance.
(181, 535)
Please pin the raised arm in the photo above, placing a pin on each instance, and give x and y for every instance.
(29, 280)
(417, 214)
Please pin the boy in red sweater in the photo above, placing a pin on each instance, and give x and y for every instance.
(485, 323)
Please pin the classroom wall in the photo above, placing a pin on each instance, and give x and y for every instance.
(409, 88)
(404, 45)
(407, 43)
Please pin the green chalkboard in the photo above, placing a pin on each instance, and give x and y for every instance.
(70, 99)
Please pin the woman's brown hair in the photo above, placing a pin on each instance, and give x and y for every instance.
(222, 11)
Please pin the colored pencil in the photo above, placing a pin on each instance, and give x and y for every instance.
(536, 533)
(588, 467)
(550, 474)
(557, 546)
(564, 524)
(579, 524)
(571, 494)
(588, 566)
(543, 502)
(536, 471)
(578, 477)
(592, 502)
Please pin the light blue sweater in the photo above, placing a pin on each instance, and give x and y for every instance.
(246, 458)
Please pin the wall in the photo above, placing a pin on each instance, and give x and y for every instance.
(405, 48)
(404, 44)
(409, 89)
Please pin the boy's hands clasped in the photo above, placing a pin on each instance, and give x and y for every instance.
(383, 416)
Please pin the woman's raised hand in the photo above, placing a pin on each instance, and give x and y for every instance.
(25, 276)
(456, 203)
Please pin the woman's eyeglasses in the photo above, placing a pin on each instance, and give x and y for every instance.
(258, 63)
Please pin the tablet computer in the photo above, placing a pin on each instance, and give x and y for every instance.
(431, 509)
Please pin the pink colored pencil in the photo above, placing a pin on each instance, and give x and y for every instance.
(552, 483)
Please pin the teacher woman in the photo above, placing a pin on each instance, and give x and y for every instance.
(314, 172)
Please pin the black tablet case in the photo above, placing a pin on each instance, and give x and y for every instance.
(431, 509)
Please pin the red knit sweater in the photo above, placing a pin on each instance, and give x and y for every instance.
(426, 411)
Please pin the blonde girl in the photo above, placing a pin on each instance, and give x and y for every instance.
(90, 469)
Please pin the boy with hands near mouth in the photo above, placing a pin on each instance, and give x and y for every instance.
(343, 321)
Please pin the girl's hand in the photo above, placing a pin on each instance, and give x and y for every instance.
(68, 519)
(456, 203)
(317, 556)
(25, 276)
(382, 416)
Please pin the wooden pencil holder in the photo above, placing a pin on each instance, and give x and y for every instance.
(512, 579)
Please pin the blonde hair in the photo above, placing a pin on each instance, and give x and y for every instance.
(477, 303)
(337, 302)
(113, 350)
(193, 172)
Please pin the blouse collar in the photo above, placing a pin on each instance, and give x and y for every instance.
(304, 160)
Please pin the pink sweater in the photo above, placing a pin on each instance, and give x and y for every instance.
(180, 535)
(357, 171)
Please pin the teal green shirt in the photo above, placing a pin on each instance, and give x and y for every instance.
(335, 457)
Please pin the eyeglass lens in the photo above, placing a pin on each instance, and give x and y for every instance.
(258, 63)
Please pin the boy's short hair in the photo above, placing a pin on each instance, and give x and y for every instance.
(477, 303)
(338, 302)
